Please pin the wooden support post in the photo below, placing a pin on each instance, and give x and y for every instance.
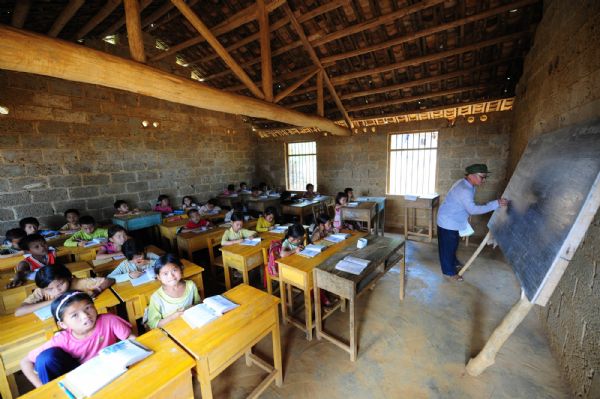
(134, 30)
(511, 321)
(475, 254)
(265, 50)
(320, 101)
(20, 13)
(114, 28)
(197, 23)
(65, 16)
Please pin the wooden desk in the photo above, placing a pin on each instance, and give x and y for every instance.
(168, 230)
(77, 254)
(380, 210)
(191, 242)
(9, 263)
(428, 202)
(221, 342)
(164, 374)
(229, 201)
(22, 334)
(381, 251)
(363, 212)
(260, 204)
(103, 269)
(297, 270)
(303, 208)
(136, 298)
(139, 221)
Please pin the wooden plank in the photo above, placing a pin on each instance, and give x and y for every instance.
(65, 16)
(64, 60)
(97, 19)
(320, 101)
(20, 13)
(134, 30)
(114, 28)
(295, 85)
(265, 50)
(159, 12)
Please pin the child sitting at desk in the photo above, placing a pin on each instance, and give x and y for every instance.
(349, 191)
(236, 234)
(210, 208)
(136, 260)
(255, 193)
(265, 221)
(163, 204)
(323, 228)
(11, 244)
(72, 217)
(188, 203)
(195, 221)
(175, 294)
(30, 225)
(293, 241)
(37, 255)
(243, 188)
(122, 209)
(117, 236)
(310, 192)
(87, 233)
(341, 199)
(84, 333)
(230, 190)
(53, 281)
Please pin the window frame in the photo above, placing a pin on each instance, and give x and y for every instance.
(286, 159)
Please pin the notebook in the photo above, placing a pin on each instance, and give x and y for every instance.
(95, 241)
(279, 229)
(44, 313)
(251, 241)
(211, 309)
(147, 277)
(339, 237)
(353, 265)
(312, 250)
(99, 371)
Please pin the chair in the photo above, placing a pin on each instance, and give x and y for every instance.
(211, 243)
(269, 278)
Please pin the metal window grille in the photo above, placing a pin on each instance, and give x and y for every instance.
(412, 163)
(301, 165)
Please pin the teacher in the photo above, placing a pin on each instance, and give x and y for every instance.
(452, 219)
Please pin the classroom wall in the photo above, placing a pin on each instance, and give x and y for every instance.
(84, 146)
(360, 161)
(561, 86)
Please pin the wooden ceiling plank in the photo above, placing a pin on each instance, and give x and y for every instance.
(295, 85)
(65, 16)
(20, 13)
(325, 8)
(64, 60)
(197, 23)
(97, 19)
(265, 50)
(114, 28)
(170, 16)
(134, 30)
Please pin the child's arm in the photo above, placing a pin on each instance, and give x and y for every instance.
(27, 308)
(74, 240)
(21, 275)
(28, 368)
(107, 282)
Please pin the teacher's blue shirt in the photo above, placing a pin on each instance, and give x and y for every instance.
(459, 204)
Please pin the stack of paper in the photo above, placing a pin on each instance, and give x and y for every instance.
(312, 250)
(353, 265)
(339, 237)
(211, 309)
(251, 241)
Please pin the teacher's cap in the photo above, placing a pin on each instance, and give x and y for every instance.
(477, 168)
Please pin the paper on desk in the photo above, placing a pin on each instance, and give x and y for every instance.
(147, 277)
(251, 241)
(44, 313)
(353, 265)
(411, 197)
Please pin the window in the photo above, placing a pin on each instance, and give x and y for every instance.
(412, 165)
(301, 165)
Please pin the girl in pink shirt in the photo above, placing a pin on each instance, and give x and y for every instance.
(163, 204)
(84, 334)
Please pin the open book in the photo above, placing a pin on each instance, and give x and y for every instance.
(44, 313)
(95, 241)
(353, 265)
(99, 371)
(312, 250)
(147, 277)
(279, 229)
(339, 237)
(251, 241)
(211, 309)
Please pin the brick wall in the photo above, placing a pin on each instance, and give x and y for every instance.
(67, 144)
(560, 86)
(360, 161)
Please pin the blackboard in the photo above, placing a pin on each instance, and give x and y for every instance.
(554, 195)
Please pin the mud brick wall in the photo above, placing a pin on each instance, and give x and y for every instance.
(560, 87)
(66, 144)
(360, 161)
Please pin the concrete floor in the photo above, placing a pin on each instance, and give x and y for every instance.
(417, 348)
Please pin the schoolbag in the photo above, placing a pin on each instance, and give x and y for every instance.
(274, 254)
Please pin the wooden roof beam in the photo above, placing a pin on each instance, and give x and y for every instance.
(320, 98)
(97, 19)
(295, 85)
(64, 60)
(20, 13)
(265, 50)
(158, 13)
(65, 16)
(134, 30)
(282, 77)
(114, 28)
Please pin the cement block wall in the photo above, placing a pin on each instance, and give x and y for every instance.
(84, 146)
(560, 87)
(360, 161)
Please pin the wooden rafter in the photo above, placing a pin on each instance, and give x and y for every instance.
(315, 59)
(165, 20)
(282, 77)
(20, 13)
(65, 16)
(265, 50)
(295, 85)
(197, 23)
(104, 12)
(134, 30)
(320, 100)
(114, 28)
(60, 59)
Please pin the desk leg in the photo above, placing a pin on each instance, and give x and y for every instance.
(353, 329)
(277, 350)
(245, 276)
(430, 232)
(318, 320)
(227, 277)
(403, 272)
(5, 384)
(204, 379)
(308, 314)
(282, 291)
(131, 316)
(180, 250)
(190, 254)
(406, 223)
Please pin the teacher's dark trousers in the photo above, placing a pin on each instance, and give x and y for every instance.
(54, 362)
(447, 245)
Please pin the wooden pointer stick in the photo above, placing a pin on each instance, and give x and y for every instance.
(477, 252)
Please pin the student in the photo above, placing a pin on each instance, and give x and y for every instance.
(229, 190)
(136, 260)
(87, 233)
(37, 255)
(263, 188)
(243, 187)
(210, 208)
(175, 294)
(72, 217)
(323, 228)
(53, 281)
(255, 192)
(30, 225)
(11, 243)
(122, 208)
(341, 199)
(265, 221)
(310, 192)
(84, 333)
(349, 191)
(236, 234)
(163, 204)
(188, 203)
(293, 241)
(117, 236)
(195, 221)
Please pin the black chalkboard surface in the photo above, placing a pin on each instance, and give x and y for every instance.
(554, 194)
